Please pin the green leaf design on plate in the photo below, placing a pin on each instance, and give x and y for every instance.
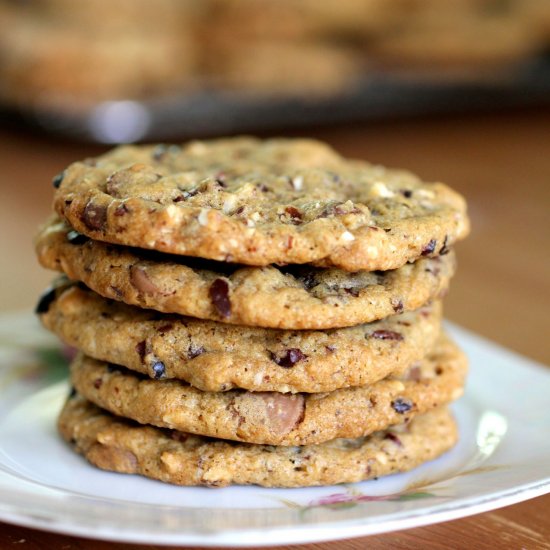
(53, 364)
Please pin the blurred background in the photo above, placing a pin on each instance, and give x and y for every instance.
(455, 90)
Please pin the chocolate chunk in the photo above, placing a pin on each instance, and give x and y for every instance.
(165, 328)
(159, 370)
(429, 248)
(397, 305)
(352, 291)
(415, 373)
(407, 193)
(288, 358)
(219, 294)
(194, 351)
(45, 301)
(386, 335)
(337, 209)
(401, 405)
(392, 437)
(74, 237)
(308, 280)
(141, 348)
(121, 209)
(140, 280)
(294, 214)
(56, 181)
(444, 250)
(284, 411)
(95, 216)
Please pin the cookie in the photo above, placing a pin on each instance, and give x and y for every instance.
(269, 417)
(116, 444)
(290, 298)
(272, 68)
(49, 64)
(217, 357)
(258, 202)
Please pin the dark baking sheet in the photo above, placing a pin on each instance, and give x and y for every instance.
(382, 94)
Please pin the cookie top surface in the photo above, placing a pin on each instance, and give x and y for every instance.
(294, 297)
(118, 445)
(270, 417)
(218, 357)
(259, 202)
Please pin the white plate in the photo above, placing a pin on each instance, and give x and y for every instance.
(503, 457)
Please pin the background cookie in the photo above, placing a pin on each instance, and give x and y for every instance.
(118, 445)
(217, 357)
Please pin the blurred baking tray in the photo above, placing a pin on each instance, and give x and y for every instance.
(380, 95)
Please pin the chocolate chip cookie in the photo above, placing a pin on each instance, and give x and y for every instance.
(257, 202)
(293, 297)
(270, 417)
(217, 357)
(115, 444)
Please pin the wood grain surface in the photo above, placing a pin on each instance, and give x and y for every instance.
(500, 162)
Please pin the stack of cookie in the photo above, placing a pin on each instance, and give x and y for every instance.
(253, 311)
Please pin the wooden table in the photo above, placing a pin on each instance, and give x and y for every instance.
(501, 162)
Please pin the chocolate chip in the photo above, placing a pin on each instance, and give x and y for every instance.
(95, 216)
(97, 383)
(159, 370)
(56, 181)
(219, 294)
(336, 209)
(330, 348)
(179, 436)
(72, 393)
(352, 291)
(165, 328)
(386, 335)
(263, 188)
(45, 301)
(288, 358)
(121, 209)
(295, 215)
(308, 280)
(141, 348)
(74, 237)
(401, 405)
(429, 248)
(444, 250)
(407, 193)
(397, 305)
(194, 351)
(392, 437)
